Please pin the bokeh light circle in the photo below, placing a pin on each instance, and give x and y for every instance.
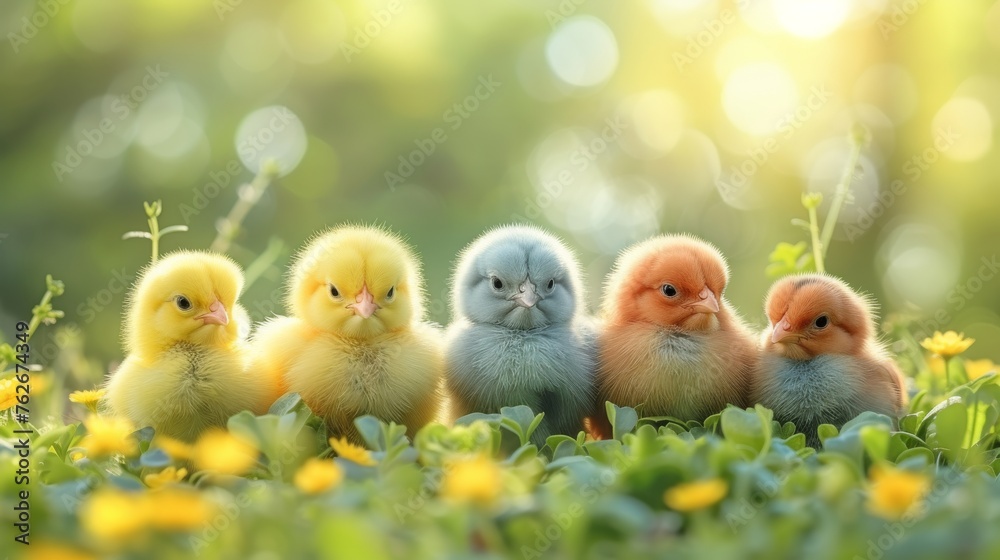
(756, 97)
(273, 132)
(811, 19)
(582, 51)
(965, 123)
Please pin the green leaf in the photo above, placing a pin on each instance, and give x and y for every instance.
(948, 431)
(623, 419)
(876, 441)
(534, 425)
(491, 419)
(827, 431)
(370, 429)
(916, 458)
(564, 448)
(790, 259)
(155, 458)
(748, 428)
(287, 403)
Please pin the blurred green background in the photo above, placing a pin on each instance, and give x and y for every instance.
(605, 122)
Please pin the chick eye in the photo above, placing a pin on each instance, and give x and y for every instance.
(497, 283)
(669, 290)
(334, 291)
(183, 303)
(391, 293)
(822, 321)
(552, 284)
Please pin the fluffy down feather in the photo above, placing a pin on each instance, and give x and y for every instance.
(822, 363)
(519, 334)
(184, 335)
(670, 343)
(356, 342)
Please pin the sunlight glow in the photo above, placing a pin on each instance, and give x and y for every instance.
(757, 96)
(811, 19)
(582, 51)
(971, 125)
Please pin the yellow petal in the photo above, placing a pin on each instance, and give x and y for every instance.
(692, 496)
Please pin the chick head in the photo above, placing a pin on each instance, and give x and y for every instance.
(187, 296)
(519, 277)
(813, 314)
(669, 280)
(358, 282)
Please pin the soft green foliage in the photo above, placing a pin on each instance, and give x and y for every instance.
(791, 259)
(153, 211)
(572, 498)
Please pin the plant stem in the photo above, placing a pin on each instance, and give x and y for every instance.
(154, 232)
(275, 248)
(247, 198)
(840, 195)
(818, 247)
(36, 319)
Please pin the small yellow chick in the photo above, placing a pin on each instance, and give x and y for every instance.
(356, 342)
(184, 337)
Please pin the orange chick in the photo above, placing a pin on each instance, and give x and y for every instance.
(670, 343)
(821, 363)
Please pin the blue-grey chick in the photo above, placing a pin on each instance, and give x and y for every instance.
(520, 335)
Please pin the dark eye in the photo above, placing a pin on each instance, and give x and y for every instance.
(822, 321)
(497, 283)
(183, 303)
(552, 284)
(391, 293)
(668, 290)
(334, 291)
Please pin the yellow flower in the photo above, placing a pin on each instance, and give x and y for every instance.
(220, 451)
(979, 368)
(167, 476)
(108, 435)
(48, 550)
(112, 515)
(178, 450)
(936, 365)
(894, 492)
(8, 393)
(692, 496)
(76, 456)
(89, 399)
(177, 510)
(318, 475)
(351, 452)
(477, 480)
(40, 382)
(948, 344)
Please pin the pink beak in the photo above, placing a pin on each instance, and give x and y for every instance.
(708, 304)
(364, 304)
(782, 330)
(216, 314)
(527, 297)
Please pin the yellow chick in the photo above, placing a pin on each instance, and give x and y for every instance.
(356, 342)
(184, 337)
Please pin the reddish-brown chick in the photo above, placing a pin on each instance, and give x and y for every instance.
(670, 345)
(821, 361)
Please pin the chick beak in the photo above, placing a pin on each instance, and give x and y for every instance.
(526, 297)
(708, 303)
(365, 303)
(216, 314)
(782, 330)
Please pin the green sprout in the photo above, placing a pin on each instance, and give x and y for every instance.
(249, 195)
(154, 234)
(41, 314)
(791, 259)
